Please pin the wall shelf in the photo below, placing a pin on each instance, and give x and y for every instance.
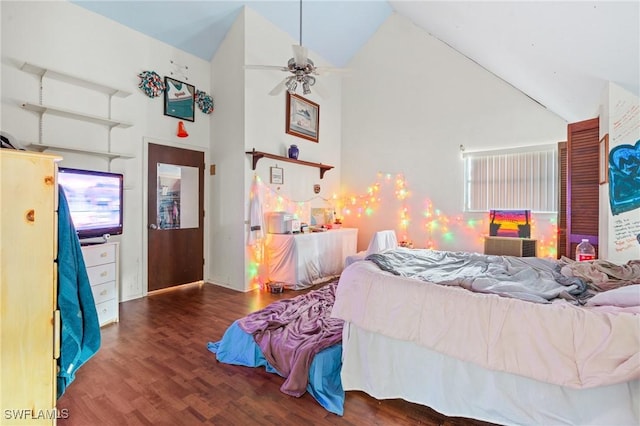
(81, 82)
(77, 80)
(110, 155)
(257, 155)
(62, 112)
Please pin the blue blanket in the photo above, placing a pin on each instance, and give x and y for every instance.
(238, 347)
(80, 329)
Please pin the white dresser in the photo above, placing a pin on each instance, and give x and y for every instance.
(101, 261)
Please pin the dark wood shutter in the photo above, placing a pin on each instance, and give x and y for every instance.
(562, 202)
(582, 212)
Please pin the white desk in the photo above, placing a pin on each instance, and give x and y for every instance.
(302, 260)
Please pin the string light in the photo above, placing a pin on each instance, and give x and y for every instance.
(435, 226)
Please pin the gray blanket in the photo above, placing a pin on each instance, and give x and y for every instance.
(527, 278)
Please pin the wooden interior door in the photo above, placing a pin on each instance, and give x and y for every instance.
(175, 216)
(582, 211)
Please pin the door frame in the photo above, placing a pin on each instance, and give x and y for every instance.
(145, 206)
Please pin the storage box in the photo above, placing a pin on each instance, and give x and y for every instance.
(275, 287)
(279, 222)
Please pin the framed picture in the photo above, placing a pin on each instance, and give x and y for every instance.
(604, 159)
(276, 176)
(303, 117)
(179, 99)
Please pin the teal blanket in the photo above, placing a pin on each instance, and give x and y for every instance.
(80, 330)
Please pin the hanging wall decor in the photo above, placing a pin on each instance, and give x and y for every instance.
(151, 83)
(204, 102)
(179, 98)
(276, 175)
(303, 117)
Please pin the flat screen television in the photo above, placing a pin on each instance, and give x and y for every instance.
(510, 223)
(95, 201)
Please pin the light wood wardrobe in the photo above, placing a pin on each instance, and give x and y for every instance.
(29, 320)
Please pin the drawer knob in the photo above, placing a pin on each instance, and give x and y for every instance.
(103, 274)
(31, 215)
(103, 292)
(103, 254)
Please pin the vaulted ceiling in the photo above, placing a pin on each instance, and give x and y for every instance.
(559, 53)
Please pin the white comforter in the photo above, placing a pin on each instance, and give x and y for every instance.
(557, 343)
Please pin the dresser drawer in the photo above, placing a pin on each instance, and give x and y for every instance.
(101, 261)
(107, 311)
(99, 254)
(102, 273)
(104, 292)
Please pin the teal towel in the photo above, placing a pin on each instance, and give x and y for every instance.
(80, 330)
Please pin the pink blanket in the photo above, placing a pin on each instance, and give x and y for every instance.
(291, 332)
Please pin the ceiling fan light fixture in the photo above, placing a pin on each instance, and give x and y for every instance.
(292, 84)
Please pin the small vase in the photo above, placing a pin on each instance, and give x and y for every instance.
(293, 152)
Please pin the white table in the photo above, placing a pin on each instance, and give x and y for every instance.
(302, 260)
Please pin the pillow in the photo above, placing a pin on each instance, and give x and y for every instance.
(622, 297)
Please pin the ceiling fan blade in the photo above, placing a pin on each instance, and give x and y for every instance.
(279, 88)
(266, 67)
(300, 54)
(330, 70)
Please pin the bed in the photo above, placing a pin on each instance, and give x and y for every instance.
(295, 338)
(499, 339)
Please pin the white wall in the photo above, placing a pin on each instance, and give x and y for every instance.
(68, 38)
(226, 263)
(265, 117)
(249, 118)
(619, 234)
(409, 103)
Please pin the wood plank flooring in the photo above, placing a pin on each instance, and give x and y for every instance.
(153, 368)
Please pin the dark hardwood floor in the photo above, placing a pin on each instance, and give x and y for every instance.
(153, 368)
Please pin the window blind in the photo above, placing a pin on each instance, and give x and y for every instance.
(525, 178)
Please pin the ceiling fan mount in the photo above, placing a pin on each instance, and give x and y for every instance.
(306, 68)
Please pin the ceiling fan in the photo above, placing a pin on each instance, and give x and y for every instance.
(300, 66)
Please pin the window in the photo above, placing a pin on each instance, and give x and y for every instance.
(524, 178)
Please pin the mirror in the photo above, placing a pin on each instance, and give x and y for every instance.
(177, 205)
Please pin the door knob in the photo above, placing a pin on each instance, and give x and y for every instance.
(153, 226)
